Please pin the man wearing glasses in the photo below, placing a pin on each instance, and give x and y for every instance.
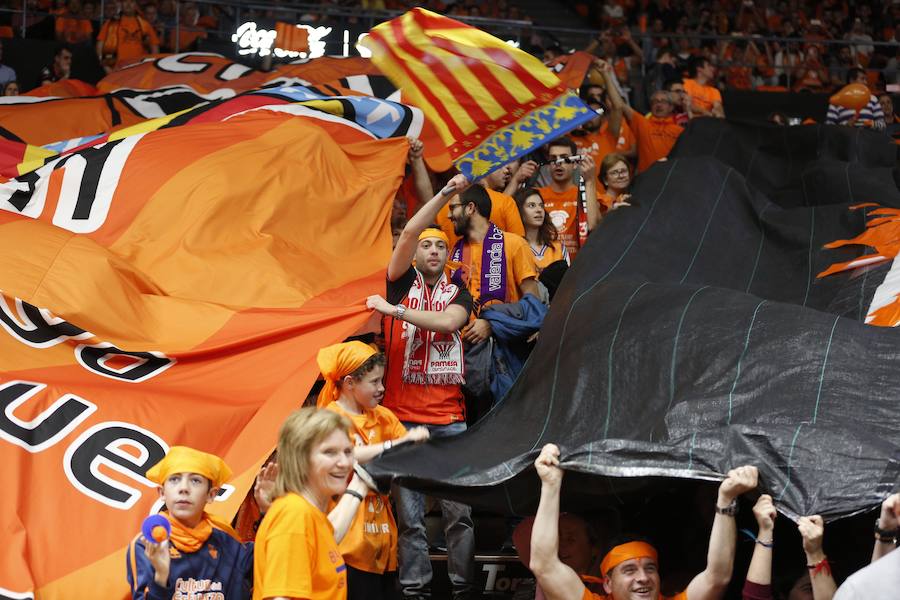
(656, 134)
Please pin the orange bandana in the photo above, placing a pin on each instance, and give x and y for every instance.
(336, 362)
(191, 539)
(434, 232)
(624, 552)
(181, 459)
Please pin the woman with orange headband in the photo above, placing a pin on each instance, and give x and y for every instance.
(630, 569)
(364, 525)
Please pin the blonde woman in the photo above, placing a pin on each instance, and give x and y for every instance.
(296, 555)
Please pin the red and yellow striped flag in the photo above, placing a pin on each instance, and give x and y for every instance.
(489, 101)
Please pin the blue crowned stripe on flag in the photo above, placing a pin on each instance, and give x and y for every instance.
(529, 132)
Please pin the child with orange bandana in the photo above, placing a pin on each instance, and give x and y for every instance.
(366, 534)
(203, 557)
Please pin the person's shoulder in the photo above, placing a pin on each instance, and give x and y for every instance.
(384, 415)
(515, 241)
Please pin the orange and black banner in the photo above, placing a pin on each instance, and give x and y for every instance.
(170, 287)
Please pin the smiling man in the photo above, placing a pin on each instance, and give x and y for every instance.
(423, 314)
(630, 569)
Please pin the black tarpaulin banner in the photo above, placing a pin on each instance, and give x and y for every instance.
(692, 336)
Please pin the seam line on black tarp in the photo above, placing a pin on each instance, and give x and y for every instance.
(822, 373)
(790, 459)
(691, 452)
(862, 289)
(762, 241)
(706, 228)
(675, 350)
(610, 358)
(565, 328)
(740, 360)
(812, 230)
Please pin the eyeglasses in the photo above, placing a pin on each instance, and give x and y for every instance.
(618, 173)
(453, 207)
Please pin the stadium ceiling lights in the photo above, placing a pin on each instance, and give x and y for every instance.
(252, 40)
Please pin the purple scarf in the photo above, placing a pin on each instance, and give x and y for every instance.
(493, 267)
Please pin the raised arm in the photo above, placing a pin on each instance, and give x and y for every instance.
(812, 530)
(712, 582)
(612, 90)
(589, 172)
(760, 570)
(558, 581)
(421, 180)
(614, 118)
(888, 524)
(405, 249)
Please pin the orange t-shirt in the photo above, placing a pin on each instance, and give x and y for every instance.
(562, 208)
(130, 33)
(295, 554)
(73, 29)
(504, 214)
(601, 142)
(547, 255)
(370, 543)
(589, 595)
(655, 138)
(519, 266)
(702, 96)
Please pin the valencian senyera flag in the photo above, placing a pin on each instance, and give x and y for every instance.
(171, 286)
(490, 102)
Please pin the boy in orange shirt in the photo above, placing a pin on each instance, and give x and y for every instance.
(367, 537)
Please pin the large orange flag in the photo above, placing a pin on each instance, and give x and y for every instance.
(170, 288)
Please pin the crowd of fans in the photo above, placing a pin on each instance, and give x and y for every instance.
(473, 271)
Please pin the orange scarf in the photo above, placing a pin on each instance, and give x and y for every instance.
(191, 539)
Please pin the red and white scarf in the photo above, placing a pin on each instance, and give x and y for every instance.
(431, 357)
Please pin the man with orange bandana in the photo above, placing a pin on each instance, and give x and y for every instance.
(203, 553)
(423, 313)
(631, 569)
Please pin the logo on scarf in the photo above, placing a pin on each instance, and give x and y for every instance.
(443, 348)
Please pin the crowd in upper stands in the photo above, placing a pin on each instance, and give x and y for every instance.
(473, 270)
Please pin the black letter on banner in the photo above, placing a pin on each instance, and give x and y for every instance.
(102, 445)
(96, 159)
(48, 427)
(148, 364)
(36, 331)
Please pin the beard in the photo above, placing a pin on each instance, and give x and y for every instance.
(461, 226)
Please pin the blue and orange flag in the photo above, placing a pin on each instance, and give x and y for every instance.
(490, 102)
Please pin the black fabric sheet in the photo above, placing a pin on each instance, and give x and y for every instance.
(692, 336)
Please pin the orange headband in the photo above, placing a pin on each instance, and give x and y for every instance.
(434, 232)
(623, 552)
(336, 362)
